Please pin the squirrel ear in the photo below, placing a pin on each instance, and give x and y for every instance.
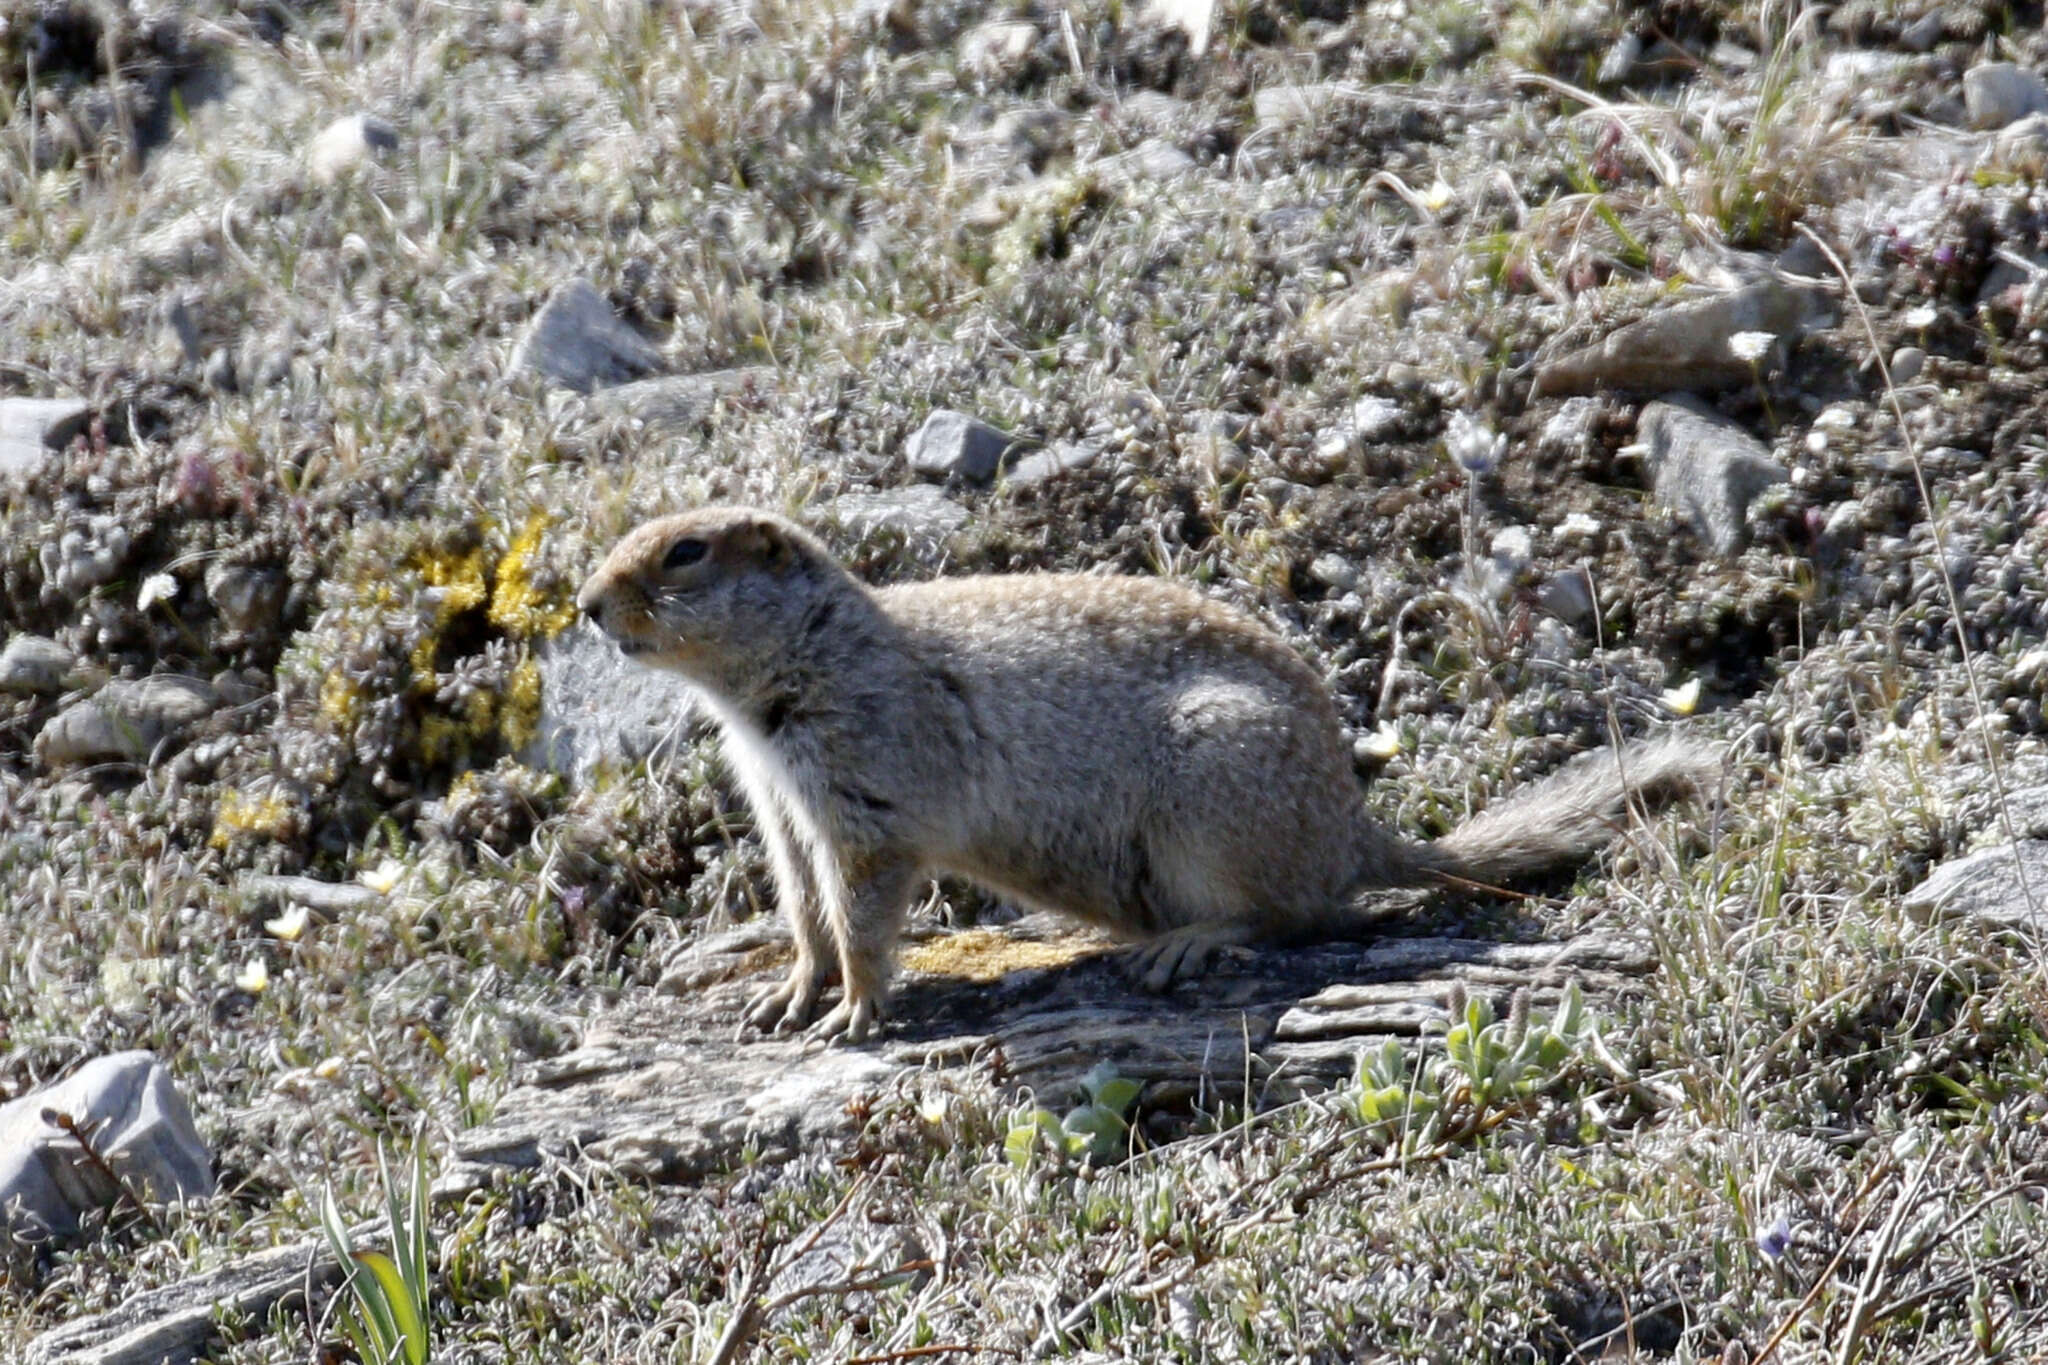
(767, 540)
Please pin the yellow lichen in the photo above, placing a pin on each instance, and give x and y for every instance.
(519, 608)
(519, 709)
(460, 579)
(442, 737)
(988, 954)
(240, 815)
(341, 701)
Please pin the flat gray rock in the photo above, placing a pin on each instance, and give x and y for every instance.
(1991, 885)
(175, 1323)
(329, 898)
(1705, 468)
(577, 342)
(598, 710)
(919, 512)
(1042, 466)
(678, 401)
(125, 721)
(137, 1122)
(35, 666)
(1998, 93)
(1686, 345)
(31, 428)
(1153, 159)
(953, 445)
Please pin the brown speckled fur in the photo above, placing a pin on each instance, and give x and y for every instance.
(1120, 749)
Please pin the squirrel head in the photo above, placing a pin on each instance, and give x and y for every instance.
(711, 594)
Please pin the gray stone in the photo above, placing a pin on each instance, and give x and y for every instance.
(346, 143)
(1153, 159)
(1568, 595)
(36, 666)
(30, 428)
(271, 891)
(577, 342)
(952, 445)
(1907, 362)
(1923, 33)
(1041, 466)
(136, 1122)
(1570, 431)
(247, 598)
(1334, 571)
(599, 711)
(2021, 147)
(1999, 93)
(1370, 420)
(125, 721)
(918, 512)
(1686, 345)
(1195, 18)
(997, 49)
(1987, 885)
(676, 402)
(1705, 468)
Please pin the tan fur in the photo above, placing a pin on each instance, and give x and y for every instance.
(1120, 749)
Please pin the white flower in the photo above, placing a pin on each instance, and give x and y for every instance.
(1751, 347)
(1474, 444)
(1438, 197)
(253, 978)
(383, 876)
(289, 925)
(1683, 700)
(1921, 317)
(1579, 526)
(158, 587)
(1382, 743)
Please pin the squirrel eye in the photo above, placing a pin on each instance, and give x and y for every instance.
(684, 552)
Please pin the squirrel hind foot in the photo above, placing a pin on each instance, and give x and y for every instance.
(786, 1006)
(852, 1021)
(1179, 954)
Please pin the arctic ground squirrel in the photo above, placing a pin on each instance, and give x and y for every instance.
(1120, 749)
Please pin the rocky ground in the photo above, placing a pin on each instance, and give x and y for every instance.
(1543, 372)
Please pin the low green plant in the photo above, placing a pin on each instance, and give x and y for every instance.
(386, 1318)
(1097, 1130)
(1487, 1069)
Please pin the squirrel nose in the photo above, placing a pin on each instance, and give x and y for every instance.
(591, 603)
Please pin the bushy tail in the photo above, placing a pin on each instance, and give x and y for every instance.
(1571, 814)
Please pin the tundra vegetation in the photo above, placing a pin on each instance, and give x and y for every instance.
(1306, 303)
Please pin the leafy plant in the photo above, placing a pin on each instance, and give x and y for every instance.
(387, 1319)
(1095, 1131)
(1487, 1068)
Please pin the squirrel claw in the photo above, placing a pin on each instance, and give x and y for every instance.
(851, 1021)
(1180, 953)
(783, 1008)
